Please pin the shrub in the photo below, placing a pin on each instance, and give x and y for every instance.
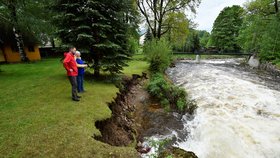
(159, 54)
(170, 96)
(133, 45)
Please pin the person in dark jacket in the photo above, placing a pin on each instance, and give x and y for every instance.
(70, 65)
(81, 71)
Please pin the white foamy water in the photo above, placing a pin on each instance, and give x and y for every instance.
(238, 116)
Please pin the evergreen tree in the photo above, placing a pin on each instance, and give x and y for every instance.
(226, 28)
(98, 26)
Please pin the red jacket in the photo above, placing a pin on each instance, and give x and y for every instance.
(70, 65)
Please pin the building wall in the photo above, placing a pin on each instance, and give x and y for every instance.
(12, 56)
(2, 57)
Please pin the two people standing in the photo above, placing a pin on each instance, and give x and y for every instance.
(73, 69)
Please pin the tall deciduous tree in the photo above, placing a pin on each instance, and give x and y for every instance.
(226, 28)
(98, 26)
(156, 12)
(179, 29)
(260, 31)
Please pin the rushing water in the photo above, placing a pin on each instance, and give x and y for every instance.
(238, 113)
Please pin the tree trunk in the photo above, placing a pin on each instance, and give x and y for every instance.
(20, 45)
(17, 33)
(160, 19)
(96, 65)
(52, 42)
(159, 28)
(96, 71)
(276, 6)
(155, 18)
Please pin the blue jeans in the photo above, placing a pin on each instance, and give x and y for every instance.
(80, 82)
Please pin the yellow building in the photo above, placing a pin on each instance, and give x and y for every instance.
(10, 54)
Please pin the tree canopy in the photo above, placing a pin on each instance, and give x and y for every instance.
(260, 31)
(100, 27)
(226, 28)
(158, 13)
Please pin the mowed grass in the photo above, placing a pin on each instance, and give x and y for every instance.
(39, 119)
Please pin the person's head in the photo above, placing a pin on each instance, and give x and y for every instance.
(78, 54)
(72, 50)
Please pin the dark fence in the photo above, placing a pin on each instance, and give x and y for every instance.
(51, 53)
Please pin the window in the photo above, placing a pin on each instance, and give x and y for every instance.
(14, 48)
(31, 49)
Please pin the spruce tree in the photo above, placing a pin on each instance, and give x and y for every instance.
(98, 26)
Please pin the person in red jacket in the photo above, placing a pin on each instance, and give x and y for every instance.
(72, 71)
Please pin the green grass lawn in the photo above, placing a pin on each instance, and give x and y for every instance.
(39, 119)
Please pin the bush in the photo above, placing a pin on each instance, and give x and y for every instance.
(170, 96)
(133, 46)
(159, 54)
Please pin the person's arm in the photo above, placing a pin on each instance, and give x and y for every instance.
(82, 65)
(66, 63)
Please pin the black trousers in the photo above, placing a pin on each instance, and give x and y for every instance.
(73, 81)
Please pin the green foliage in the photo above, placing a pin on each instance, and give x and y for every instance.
(193, 43)
(270, 44)
(204, 37)
(159, 54)
(99, 27)
(179, 29)
(31, 20)
(159, 146)
(260, 31)
(163, 15)
(169, 95)
(133, 45)
(226, 28)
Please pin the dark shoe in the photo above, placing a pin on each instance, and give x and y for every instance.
(75, 99)
(79, 97)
